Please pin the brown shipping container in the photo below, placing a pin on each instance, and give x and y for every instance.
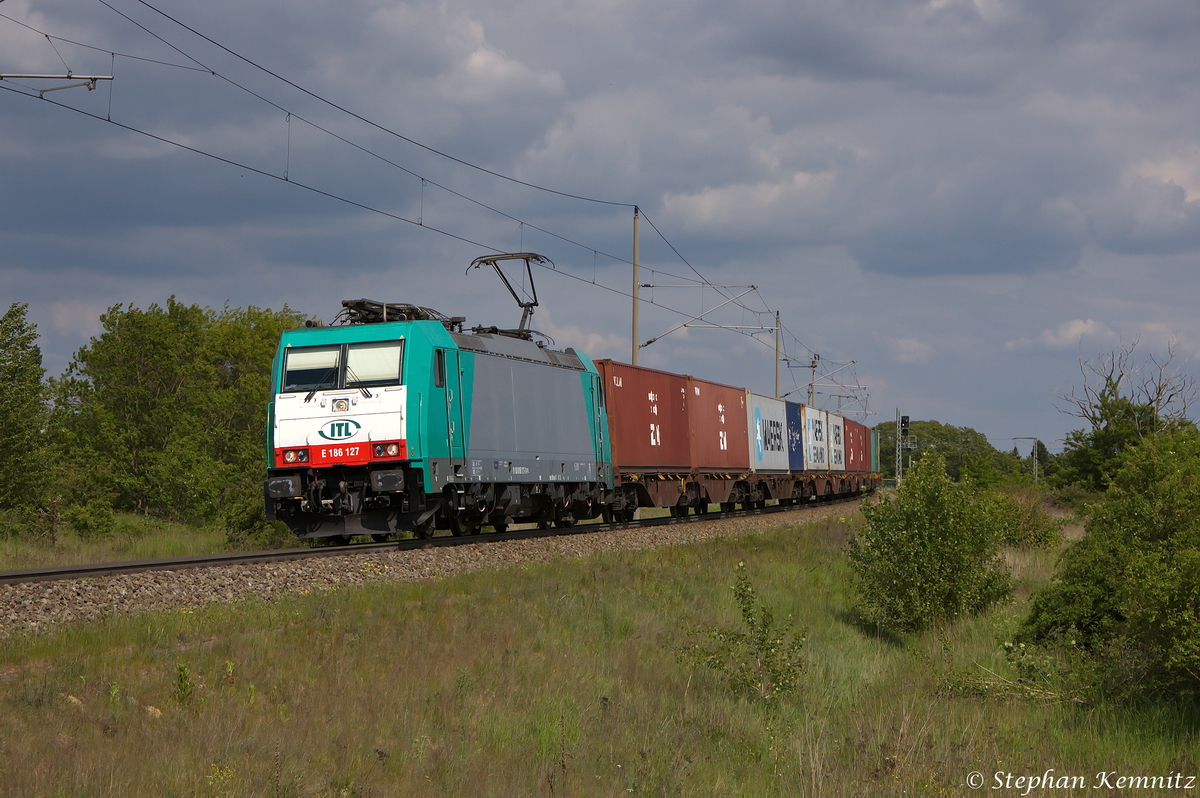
(647, 418)
(717, 414)
(858, 447)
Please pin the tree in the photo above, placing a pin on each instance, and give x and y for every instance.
(1128, 593)
(23, 413)
(965, 451)
(928, 554)
(1124, 400)
(164, 410)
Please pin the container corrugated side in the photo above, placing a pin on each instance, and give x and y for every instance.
(647, 417)
(816, 449)
(837, 442)
(858, 447)
(795, 436)
(766, 419)
(717, 416)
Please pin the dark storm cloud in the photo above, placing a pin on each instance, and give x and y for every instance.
(938, 189)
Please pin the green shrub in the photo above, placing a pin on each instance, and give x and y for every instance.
(927, 554)
(244, 519)
(1129, 591)
(760, 663)
(1021, 518)
(92, 520)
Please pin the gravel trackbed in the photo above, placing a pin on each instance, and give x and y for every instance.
(34, 606)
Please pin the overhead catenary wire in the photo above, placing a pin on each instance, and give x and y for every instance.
(289, 114)
(372, 123)
(402, 137)
(699, 279)
(324, 193)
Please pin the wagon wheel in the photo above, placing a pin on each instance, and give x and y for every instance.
(424, 531)
(499, 522)
(379, 537)
(340, 540)
(464, 525)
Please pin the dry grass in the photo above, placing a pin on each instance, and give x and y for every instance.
(556, 679)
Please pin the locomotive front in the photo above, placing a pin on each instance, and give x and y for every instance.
(339, 450)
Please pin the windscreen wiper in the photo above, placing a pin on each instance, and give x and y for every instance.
(317, 387)
(354, 377)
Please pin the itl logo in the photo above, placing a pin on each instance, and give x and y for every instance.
(340, 429)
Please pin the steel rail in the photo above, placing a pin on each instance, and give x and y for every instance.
(95, 570)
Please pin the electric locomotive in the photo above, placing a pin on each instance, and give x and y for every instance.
(394, 419)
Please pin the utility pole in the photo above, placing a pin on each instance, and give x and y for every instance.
(899, 448)
(1035, 454)
(812, 381)
(636, 285)
(777, 354)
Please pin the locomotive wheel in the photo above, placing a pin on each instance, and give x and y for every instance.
(463, 526)
(499, 522)
(424, 531)
(380, 537)
(340, 540)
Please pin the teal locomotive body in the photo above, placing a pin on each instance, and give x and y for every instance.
(399, 421)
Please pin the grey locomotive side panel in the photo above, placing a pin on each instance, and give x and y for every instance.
(529, 423)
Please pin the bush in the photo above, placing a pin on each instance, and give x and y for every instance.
(1021, 519)
(760, 664)
(1129, 591)
(245, 521)
(927, 554)
(92, 520)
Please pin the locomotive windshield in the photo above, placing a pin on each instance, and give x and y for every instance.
(325, 368)
(311, 368)
(373, 365)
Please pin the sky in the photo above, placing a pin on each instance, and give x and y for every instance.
(965, 199)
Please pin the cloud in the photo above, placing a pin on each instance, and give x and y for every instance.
(1069, 332)
(960, 171)
(910, 350)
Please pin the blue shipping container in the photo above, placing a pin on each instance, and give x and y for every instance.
(795, 437)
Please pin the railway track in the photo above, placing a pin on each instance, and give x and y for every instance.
(94, 570)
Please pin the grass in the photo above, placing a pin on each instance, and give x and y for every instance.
(138, 537)
(135, 537)
(554, 679)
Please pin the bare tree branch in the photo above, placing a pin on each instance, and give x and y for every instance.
(1157, 382)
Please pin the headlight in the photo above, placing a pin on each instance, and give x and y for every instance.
(393, 449)
(379, 449)
(295, 456)
(341, 405)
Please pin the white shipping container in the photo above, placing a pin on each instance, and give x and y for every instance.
(766, 421)
(837, 442)
(816, 441)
